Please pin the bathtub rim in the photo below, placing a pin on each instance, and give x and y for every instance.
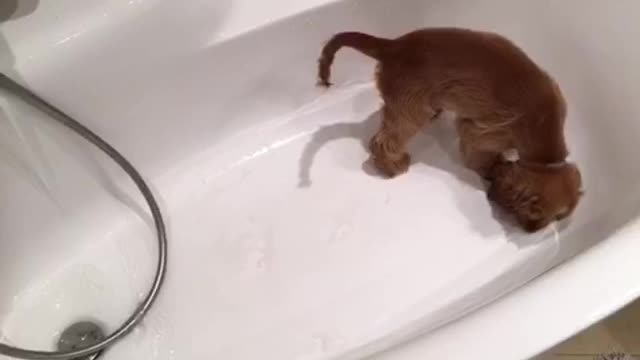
(544, 312)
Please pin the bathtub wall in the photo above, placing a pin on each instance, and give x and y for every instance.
(121, 67)
(58, 192)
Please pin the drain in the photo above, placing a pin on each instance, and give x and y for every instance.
(79, 336)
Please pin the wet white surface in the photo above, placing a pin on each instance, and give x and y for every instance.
(284, 244)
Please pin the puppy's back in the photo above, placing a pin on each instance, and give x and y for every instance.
(482, 76)
(485, 62)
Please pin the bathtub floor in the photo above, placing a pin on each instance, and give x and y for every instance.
(320, 260)
(618, 333)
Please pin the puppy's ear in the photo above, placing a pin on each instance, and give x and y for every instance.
(498, 177)
(512, 190)
(532, 226)
(492, 193)
(502, 170)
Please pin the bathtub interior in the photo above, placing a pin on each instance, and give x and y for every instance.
(280, 237)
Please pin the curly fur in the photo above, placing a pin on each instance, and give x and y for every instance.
(502, 99)
(536, 195)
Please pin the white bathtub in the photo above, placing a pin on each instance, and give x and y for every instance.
(282, 244)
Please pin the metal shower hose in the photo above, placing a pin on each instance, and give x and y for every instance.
(24, 93)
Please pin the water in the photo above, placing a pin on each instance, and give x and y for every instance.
(22, 147)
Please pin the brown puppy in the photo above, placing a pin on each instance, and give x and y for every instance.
(502, 99)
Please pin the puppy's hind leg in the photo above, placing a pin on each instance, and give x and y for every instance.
(389, 145)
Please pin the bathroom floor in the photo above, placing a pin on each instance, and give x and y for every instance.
(619, 333)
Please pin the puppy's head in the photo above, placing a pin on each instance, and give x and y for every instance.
(535, 195)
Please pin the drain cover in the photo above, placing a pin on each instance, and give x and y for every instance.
(79, 336)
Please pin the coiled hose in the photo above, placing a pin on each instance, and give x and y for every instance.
(56, 114)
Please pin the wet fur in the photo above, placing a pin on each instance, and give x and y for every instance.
(502, 100)
(536, 195)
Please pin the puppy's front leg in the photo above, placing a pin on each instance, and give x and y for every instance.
(481, 149)
(389, 145)
(481, 161)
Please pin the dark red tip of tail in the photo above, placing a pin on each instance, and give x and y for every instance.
(366, 44)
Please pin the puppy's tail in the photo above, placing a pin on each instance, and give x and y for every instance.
(369, 45)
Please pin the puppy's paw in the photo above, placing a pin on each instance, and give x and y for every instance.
(323, 83)
(392, 167)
